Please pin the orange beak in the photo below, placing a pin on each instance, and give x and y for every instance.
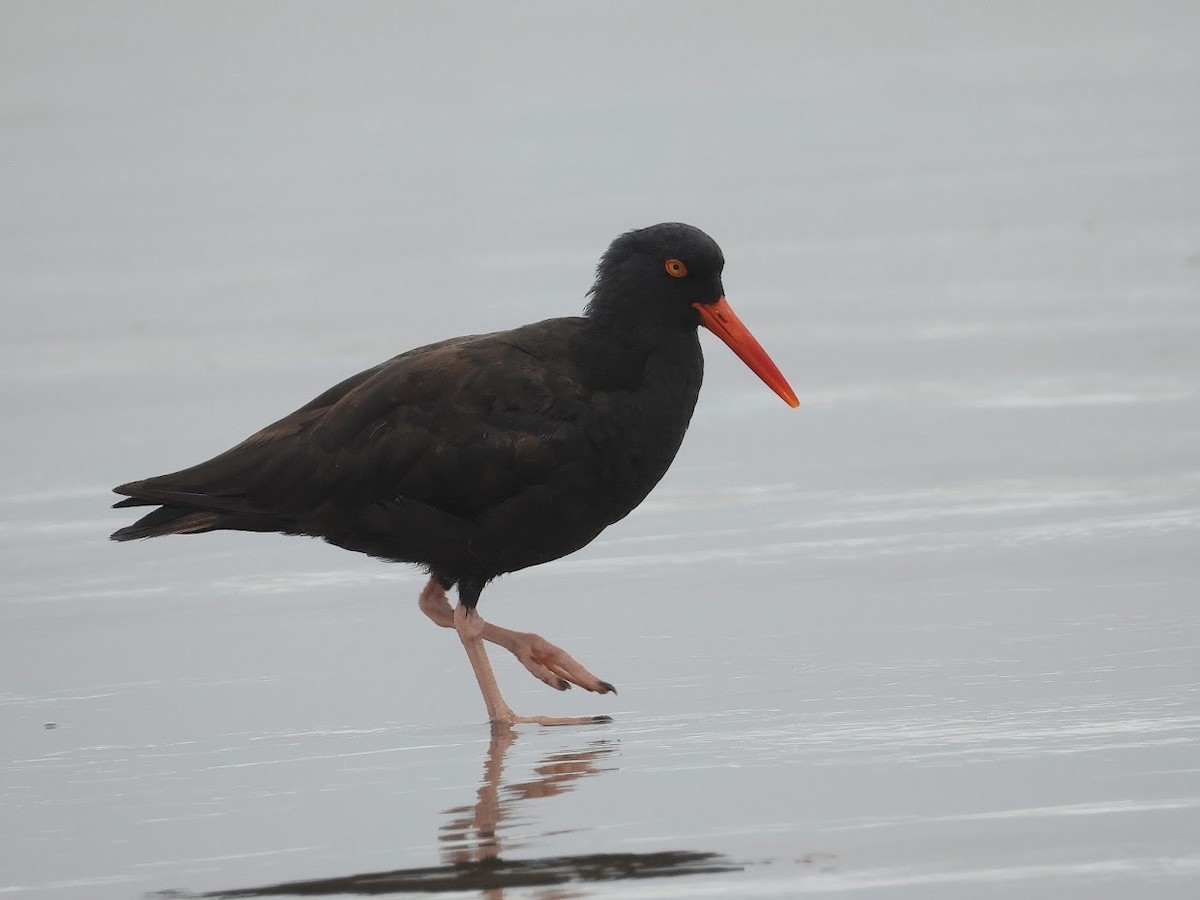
(720, 320)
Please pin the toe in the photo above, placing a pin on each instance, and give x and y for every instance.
(563, 720)
(545, 674)
(573, 672)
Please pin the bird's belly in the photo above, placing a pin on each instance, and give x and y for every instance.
(600, 482)
(546, 523)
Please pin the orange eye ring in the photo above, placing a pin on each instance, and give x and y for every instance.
(675, 268)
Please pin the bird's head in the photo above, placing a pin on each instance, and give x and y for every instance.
(669, 276)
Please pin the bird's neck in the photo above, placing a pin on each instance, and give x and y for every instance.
(617, 351)
(637, 322)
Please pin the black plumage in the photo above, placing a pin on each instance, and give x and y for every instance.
(485, 454)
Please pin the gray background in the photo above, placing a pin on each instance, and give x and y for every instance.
(936, 632)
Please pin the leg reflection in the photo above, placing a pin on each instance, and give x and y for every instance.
(472, 833)
(477, 839)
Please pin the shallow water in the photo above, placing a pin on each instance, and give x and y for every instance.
(936, 632)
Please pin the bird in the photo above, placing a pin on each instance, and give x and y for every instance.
(481, 455)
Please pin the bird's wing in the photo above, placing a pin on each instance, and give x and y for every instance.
(459, 427)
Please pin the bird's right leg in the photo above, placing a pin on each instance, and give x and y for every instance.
(472, 631)
(547, 662)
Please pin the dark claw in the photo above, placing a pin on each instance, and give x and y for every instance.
(564, 685)
(606, 688)
(601, 720)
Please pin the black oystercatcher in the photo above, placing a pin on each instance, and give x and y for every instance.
(485, 454)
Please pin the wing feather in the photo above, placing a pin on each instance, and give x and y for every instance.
(458, 427)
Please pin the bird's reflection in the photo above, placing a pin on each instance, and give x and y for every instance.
(473, 839)
(472, 834)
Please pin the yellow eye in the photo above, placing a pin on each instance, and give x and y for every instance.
(676, 268)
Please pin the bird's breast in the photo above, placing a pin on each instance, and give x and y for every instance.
(634, 434)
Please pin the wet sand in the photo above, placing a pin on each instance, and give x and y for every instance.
(934, 633)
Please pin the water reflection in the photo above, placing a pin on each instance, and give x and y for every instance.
(473, 839)
(472, 834)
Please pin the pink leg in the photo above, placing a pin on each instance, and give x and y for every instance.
(549, 663)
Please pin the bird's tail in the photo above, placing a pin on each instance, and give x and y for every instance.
(166, 520)
(218, 494)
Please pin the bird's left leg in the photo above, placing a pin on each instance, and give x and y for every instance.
(435, 603)
(471, 627)
(547, 662)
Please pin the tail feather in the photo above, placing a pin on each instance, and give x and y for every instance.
(207, 497)
(134, 501)
(167, 520)
(247, 488)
